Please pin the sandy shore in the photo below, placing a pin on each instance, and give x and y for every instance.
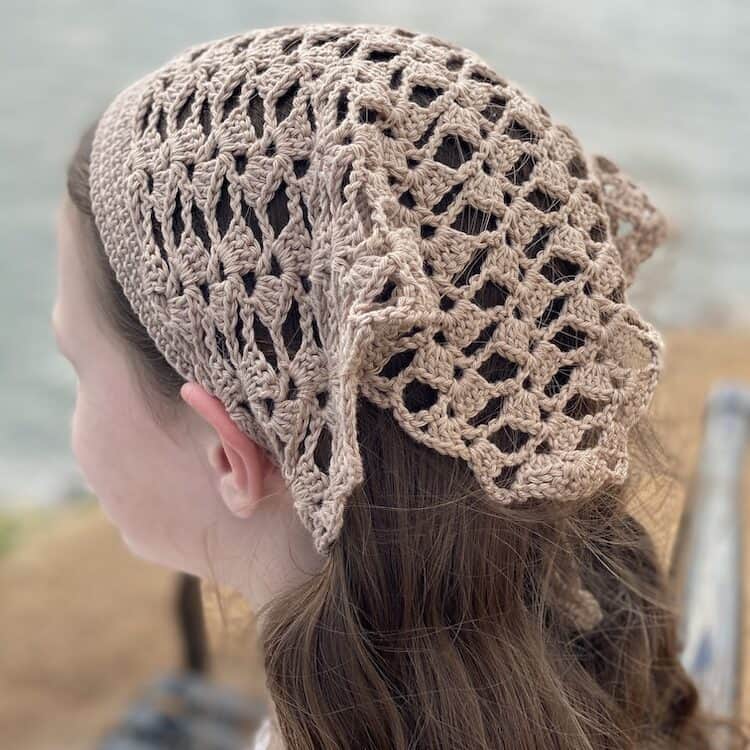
(85, 624)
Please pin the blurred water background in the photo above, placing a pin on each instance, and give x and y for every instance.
(661, 88)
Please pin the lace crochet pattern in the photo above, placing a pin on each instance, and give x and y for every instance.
(301, 214)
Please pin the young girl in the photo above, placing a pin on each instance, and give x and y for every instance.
(348, 313)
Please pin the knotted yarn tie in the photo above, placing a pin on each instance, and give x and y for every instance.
(637, 227)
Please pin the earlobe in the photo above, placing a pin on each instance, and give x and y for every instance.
(236, 458)
(239, 503)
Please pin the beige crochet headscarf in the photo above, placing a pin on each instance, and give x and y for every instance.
(401, 222)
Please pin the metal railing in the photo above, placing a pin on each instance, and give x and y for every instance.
(707, 568)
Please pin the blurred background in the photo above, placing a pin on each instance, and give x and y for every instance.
(660, 88)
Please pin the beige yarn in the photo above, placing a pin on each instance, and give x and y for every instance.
(436, 243)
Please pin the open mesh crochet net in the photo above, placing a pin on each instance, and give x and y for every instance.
(302, 214)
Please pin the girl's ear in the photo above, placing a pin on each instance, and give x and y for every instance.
(240, 464)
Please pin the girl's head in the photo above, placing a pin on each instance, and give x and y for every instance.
(349, 320)
(169, 467)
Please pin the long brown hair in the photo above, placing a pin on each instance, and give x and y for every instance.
(436, 620)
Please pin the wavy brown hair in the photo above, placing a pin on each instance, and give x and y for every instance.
(437, 619)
